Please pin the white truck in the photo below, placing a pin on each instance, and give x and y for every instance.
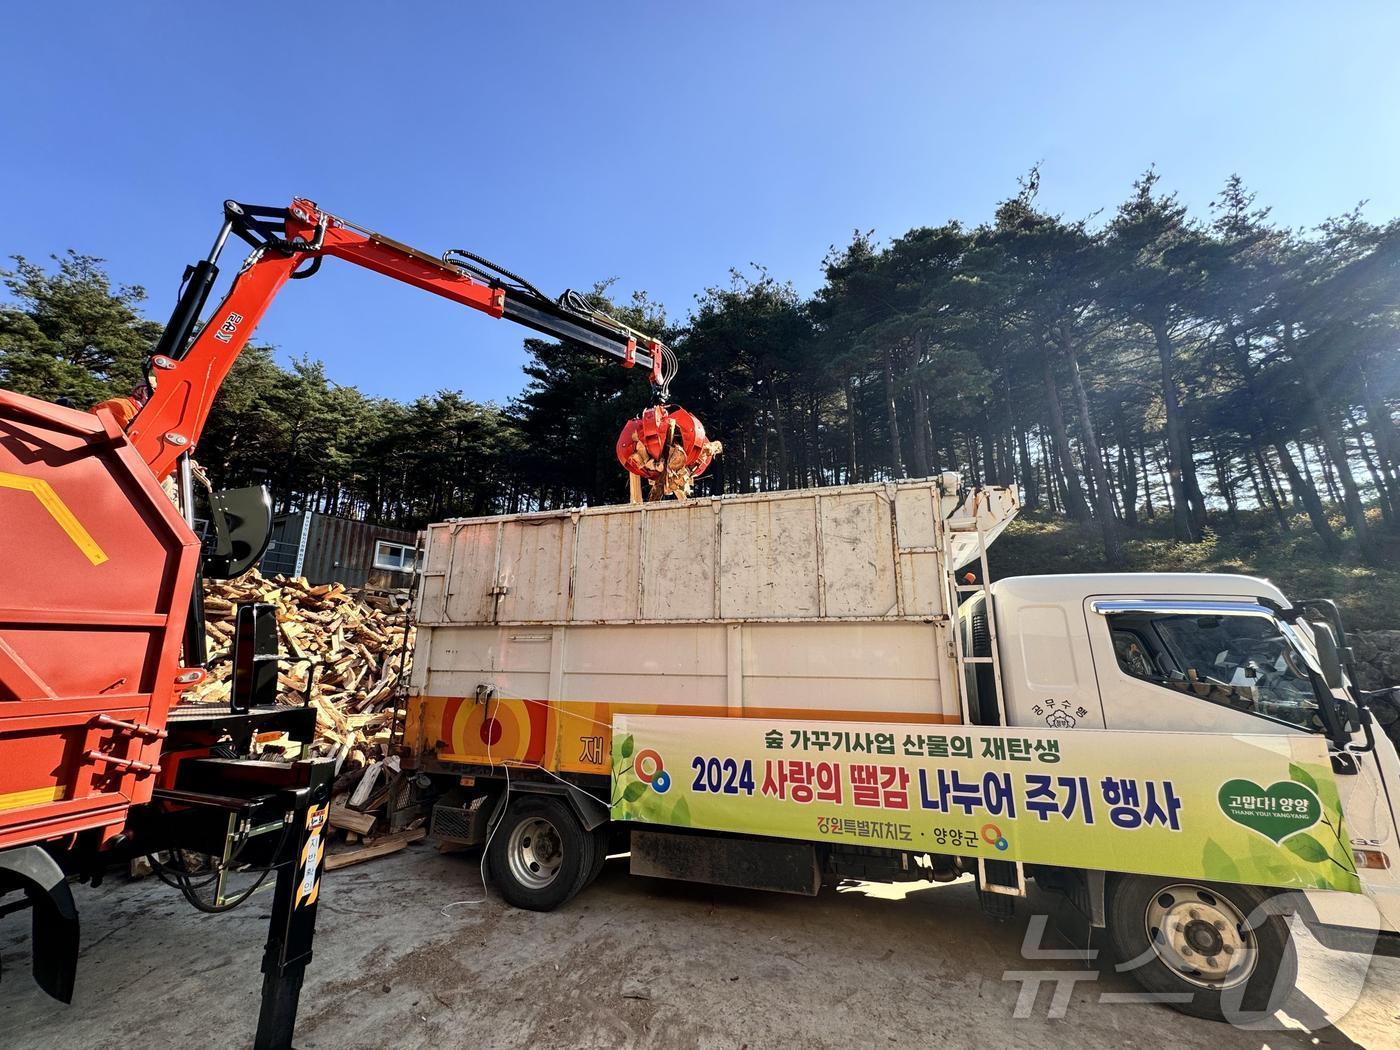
(869, 606)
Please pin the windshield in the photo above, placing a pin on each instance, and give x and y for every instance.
(1239, 661)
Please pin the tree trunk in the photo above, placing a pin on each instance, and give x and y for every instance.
(1336, 451)
(1059, 479)
(892, 413)
(766, 429)
(1196, 499)
(1075, 503)
(1166, 481)
(1127, 470)
(780, 432)
(1386, 440)
(1029, 479)
(1351, 491)
(1108, 523)
(852, 471)
(921, 456)
(1266, 480)
(1146, 479)
(1182, 526)
(1305, 491)
(1051, 491)
(1224, 482)
(1328, 477)
(1375, 466)
(1239, 347)
(990, 449)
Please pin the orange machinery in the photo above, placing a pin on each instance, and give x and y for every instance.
(101, 609)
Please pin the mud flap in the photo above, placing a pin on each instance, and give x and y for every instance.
(777, 865)
(54, 937)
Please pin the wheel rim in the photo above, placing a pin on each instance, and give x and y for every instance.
(1201, 936)
(535, 853)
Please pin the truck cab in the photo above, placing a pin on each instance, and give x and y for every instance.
(1193, 653)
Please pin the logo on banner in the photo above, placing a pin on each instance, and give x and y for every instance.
(1282, 809)
(651, 770)
(992, 836)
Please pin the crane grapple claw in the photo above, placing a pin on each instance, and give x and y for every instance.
(668, 447)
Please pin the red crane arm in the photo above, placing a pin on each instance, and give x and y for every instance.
(290, 243)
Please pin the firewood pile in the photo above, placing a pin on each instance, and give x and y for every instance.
(350, 653)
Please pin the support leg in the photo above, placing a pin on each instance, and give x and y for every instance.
(293, 922)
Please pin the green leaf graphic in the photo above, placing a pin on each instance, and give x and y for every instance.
(634, 791)
(1217, 863)
(1344, 859)
(680, 814)
(1301, 775)
(1308, 848)
(625, 748)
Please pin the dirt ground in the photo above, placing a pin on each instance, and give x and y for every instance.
(631, 963)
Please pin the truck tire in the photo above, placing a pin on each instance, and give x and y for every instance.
(1212, 950)
(983, 703)
(540, 856)
(600, 857)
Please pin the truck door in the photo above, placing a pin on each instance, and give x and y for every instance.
(1209, 666)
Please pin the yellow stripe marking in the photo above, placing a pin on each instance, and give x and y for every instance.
(32, 797)
(58, 510)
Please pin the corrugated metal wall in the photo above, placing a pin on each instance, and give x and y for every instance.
(338, 550)
(281, 555)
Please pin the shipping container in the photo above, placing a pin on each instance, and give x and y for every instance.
(328, 549)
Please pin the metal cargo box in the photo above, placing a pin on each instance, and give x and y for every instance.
(535, 629)
(859, 552)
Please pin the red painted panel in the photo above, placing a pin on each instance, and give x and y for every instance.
(95, 578)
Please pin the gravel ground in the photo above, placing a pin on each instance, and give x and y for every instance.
(631, 963)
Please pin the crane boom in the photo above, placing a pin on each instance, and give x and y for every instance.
(186, 370)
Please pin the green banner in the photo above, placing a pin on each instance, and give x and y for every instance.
(1258, 810)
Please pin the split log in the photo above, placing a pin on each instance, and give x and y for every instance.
(381, 847)
(348, 819)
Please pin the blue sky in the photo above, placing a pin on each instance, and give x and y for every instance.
(658, 143)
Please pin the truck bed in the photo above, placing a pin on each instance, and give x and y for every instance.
(535, 629)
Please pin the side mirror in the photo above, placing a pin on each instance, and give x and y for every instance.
(1329, 657)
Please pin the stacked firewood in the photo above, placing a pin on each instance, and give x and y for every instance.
(349, 656)
(348, 652)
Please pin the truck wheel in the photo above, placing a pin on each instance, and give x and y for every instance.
(540, 856)
(1214, 949)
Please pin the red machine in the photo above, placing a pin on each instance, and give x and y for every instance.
(101, 614)
(667, 446)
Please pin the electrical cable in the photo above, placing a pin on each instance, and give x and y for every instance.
(490, 834)
(577, 303)
(505, 803)
(493, 273)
